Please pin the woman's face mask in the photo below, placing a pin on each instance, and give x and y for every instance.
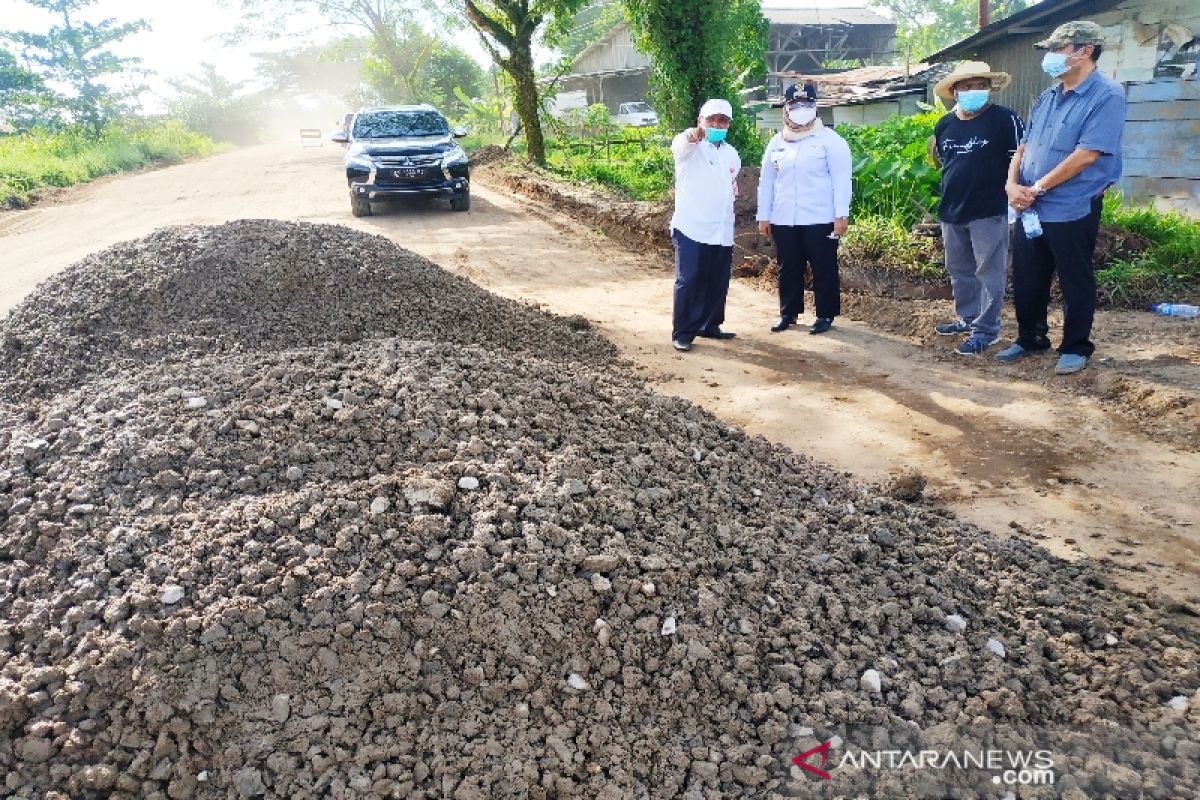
(802, 115)
(971, 100)
(716, 134)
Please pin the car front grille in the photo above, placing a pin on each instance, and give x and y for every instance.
(424, 160)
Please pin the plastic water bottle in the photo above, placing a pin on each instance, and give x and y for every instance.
(1031, 224)
(1176, 310)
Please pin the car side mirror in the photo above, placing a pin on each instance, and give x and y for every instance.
(460, 132)
(341, 137)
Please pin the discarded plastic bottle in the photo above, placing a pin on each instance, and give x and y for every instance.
(1031, 224)
(1176, 310)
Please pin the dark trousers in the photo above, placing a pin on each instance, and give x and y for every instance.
(701, 284)
(800, 245)
(1065, 248)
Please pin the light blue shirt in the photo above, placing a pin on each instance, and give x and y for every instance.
(1089, 117)
(807, 182)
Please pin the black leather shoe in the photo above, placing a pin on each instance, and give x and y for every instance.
(681, 345)
(821, 325)
(783, 324)
(716, 333)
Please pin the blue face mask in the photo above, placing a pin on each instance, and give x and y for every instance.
(1054, 64)
(715, 134)
(971, 100)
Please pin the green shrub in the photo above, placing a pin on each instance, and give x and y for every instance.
(640, 167)
(887, 242)
(893, 174)
(1167, 268)
(41, 158)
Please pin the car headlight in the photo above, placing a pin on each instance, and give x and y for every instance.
(455, 155)
(363, 164)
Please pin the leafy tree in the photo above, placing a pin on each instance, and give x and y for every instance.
(330, 72)
(700, 49)
(448, 68)
(926, 26)
(216, 106)
(508, 28)
(571, 35)
(23, 95)
(395, 30)
(75, 53)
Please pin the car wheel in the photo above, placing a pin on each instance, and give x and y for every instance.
(462, 202)
(360, 206)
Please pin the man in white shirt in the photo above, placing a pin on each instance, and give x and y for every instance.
(706, 171)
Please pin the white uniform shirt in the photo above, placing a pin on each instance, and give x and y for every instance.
(705, 186)
(805, 182)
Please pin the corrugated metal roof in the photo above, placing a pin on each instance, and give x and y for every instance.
(825, 16)
(862, 75)
(1045, 8)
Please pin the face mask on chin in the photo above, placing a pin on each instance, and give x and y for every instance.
(972, 100)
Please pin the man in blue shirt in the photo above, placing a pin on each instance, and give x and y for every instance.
(1070, 154)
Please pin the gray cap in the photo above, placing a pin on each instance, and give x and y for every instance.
(1079, 32)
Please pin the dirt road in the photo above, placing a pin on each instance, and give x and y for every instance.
(1011, 451)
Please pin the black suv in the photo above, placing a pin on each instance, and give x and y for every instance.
(403, 151)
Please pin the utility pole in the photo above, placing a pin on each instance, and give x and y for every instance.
(984, 11)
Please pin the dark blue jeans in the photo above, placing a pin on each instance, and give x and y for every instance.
(701, 283)
(1065, 249)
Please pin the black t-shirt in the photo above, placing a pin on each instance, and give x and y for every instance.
(975, 156)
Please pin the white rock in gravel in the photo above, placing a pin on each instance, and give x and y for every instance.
(576, 681)
(294, 473)
(1178, 703)
(668, 626)
(33, 448)
(603, 631)
(600, 583)
(171, 594)
(247, 425)
(468, 483)
(1110, 640)
(380, 505)
(996, 647)
(648, 589)
(955, 623)
(196, 402)
(871, 682)
(333, 402)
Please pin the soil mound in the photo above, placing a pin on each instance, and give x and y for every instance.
(412, 567)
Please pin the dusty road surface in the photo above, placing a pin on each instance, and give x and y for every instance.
(1009, 450)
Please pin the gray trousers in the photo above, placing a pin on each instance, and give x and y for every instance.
(977, 260)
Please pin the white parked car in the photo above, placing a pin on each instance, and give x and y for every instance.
(637, 115)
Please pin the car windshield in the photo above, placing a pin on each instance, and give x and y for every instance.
(636, 108)
(395, 124)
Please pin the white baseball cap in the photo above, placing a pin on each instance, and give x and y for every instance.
(716, 105)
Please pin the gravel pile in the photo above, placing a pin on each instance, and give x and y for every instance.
(410, 567)
(257, 285)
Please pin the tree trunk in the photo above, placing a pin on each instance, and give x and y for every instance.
(520, 67)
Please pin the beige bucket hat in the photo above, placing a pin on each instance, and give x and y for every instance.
(969, 69)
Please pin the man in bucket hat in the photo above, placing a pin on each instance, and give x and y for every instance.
(706, 171)
(1070, 155)
(975, 144)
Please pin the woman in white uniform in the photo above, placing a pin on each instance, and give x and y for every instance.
(804, 206)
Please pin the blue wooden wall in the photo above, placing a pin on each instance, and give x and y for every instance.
(1162, 144)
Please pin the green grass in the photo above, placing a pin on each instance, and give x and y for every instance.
(887, 242)
(640, 171)
(39, 159)
(1167, 269)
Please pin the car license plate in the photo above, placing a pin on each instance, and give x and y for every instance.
(408, 172)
